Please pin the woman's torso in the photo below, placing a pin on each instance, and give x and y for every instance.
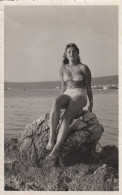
(74, 76)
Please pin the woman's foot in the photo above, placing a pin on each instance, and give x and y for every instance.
(50, 161)
(54, 153)
(50, 145)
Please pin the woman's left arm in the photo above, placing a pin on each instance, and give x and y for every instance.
(87, 74)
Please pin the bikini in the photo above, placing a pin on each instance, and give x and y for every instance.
(72, 92)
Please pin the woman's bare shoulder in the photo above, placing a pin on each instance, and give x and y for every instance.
(84, 68)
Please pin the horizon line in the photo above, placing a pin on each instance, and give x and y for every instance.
(49, 81)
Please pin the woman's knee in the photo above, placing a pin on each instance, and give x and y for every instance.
(60, 102)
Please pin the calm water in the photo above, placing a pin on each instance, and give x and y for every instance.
(22, 107)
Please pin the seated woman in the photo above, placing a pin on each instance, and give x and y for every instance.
(76, 85)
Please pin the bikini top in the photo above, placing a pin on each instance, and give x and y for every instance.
(77, 77)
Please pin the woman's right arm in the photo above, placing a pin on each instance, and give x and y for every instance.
(63, 84)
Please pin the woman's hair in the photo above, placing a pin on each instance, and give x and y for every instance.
(65, 59)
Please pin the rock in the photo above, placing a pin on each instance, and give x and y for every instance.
(101, 180)
(26, 168)
(85, 134)
(110, 156)
(11, 153)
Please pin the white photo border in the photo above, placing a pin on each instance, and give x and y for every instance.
(58, 3)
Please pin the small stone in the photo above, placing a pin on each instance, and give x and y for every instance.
(95, 172)
(104, 166)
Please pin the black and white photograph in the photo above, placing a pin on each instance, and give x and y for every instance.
(61, 98)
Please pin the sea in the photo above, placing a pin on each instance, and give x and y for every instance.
(26, 102)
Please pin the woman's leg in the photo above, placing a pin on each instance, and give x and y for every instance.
(59, 103)
(75, 105)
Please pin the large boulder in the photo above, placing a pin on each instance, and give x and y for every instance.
(83, 164)
(85, 133)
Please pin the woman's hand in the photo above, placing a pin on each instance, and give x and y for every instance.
(90, 108)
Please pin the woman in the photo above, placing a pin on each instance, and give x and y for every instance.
(76, 85)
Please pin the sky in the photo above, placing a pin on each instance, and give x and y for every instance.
(35, 38)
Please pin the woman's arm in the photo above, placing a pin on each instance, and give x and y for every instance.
(87, 74)
(63, 84)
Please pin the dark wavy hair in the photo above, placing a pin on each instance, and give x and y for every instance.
(65, 59)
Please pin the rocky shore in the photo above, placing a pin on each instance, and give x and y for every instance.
(83, 165)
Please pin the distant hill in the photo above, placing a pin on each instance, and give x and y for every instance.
(105, 80)
(53, 84)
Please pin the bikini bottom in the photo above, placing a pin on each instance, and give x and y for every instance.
(76, 92)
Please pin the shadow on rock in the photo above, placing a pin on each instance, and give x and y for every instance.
(110, 156)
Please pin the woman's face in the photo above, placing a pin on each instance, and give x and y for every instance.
(72, 54)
